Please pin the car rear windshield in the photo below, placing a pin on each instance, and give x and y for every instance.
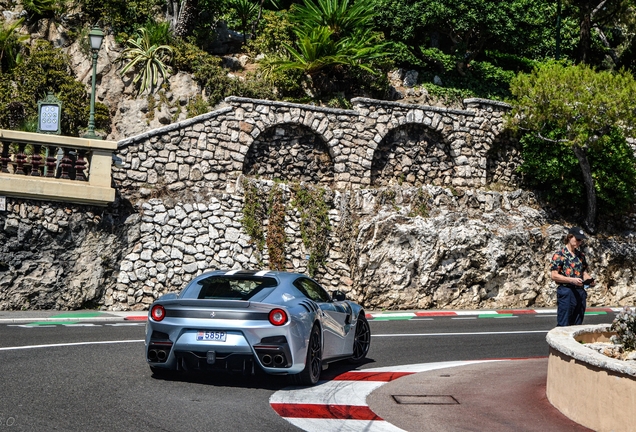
(228, 287)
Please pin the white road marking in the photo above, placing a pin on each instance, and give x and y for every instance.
(338, 425)
(465, 318)
(68, 344)
(328, 392)
(459, 334)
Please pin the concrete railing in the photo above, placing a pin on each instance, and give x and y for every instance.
(594, 390)
(56, 168)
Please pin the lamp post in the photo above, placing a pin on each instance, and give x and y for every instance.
(95, 36)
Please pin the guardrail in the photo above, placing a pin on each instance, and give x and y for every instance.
(56, 168)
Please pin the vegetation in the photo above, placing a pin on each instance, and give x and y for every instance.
(147, 59)
(315, 226)
(578, 109)
(625, 327)
(46, 69)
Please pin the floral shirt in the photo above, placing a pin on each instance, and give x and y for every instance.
(567, 264)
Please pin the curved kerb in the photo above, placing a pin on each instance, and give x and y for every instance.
(594, 390)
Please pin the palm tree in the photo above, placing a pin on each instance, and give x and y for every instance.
(330, 33)
(147, 60)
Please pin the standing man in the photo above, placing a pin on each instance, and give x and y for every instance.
(569, 269)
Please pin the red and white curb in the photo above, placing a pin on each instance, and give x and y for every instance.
(340, 404)
(500, 313)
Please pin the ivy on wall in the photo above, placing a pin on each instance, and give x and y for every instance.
(254, 212)
(276, 238)
(315, 227)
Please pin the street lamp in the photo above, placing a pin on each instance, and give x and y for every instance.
(95, 36)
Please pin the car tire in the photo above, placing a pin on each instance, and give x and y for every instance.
(361, 340)
(313, 362)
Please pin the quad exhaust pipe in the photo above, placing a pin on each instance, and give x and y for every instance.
(157, 355)
(266, 359)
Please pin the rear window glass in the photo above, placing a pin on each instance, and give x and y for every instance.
(228, 287)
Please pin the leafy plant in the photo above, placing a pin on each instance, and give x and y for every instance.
(625, 327)
(244, 10)
(554, 171)
(315, 226)
(40, 8)
(147, 60)
(11, 44)
(276, 237)
(253, 214)
(47, 69)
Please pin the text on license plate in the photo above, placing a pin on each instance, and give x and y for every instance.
(218, 336)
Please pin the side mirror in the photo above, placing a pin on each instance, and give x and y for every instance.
(338, 295)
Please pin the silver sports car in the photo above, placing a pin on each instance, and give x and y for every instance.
(237, 320)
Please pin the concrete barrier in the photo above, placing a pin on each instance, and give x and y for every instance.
(594, 390)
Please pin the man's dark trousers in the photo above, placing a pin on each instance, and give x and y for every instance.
(571, 304)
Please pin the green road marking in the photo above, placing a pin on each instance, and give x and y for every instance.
(391, 318)
(78, 315)
(494, 315)
(44, 323)
(596, 313)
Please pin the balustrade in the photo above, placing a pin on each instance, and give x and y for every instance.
(67, 168)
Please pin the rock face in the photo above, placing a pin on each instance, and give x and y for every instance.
(54, 256)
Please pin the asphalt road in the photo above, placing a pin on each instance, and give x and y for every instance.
(103, 384)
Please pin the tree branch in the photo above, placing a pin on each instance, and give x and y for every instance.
(598, 8)
(551, 140)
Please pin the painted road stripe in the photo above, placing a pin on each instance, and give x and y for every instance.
(320, 411)
(370, 376)
(68, 344)
(328, 393)
(459, 334)
(322, 425)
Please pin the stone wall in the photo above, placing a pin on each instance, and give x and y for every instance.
(375, 144)
(415, 219)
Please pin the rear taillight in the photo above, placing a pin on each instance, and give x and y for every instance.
(157, 312)
(278, 317)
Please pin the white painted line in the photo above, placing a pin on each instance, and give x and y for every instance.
(393, 314)
(425, 367)
(68, 344)
(339, 425)
(328, 392)
(476, 312)
(465, 318)
(125, 324)
(459, 334)
(546, 311)
(422, 319)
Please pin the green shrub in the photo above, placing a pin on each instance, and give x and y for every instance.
(625, 327)
(554, 171)
(47, 69)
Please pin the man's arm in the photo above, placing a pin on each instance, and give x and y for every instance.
(560, 279)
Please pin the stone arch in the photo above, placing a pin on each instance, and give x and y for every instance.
(292, 152)
(412, 154)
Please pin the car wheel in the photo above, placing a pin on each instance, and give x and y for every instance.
(361, 340)
(313, 362)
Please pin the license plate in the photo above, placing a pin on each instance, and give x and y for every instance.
(216, 336)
